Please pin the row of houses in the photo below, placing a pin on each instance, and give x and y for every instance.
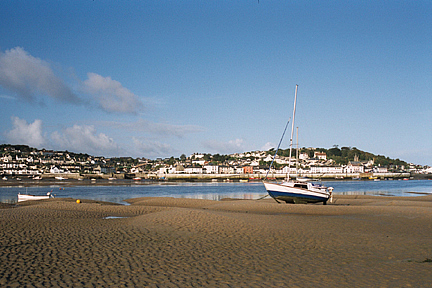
(38, 162)
(351, 168)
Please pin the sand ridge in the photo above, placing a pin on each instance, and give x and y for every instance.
(170, 242)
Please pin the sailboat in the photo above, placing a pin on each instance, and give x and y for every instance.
(295, 191)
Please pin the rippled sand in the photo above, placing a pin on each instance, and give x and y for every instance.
(165, 242)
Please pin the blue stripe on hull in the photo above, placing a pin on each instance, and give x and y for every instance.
(286, 196)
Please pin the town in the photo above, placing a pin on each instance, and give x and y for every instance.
(19, 161)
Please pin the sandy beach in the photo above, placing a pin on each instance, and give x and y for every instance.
(358, 241)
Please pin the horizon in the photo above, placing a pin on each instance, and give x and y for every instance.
(160, 78)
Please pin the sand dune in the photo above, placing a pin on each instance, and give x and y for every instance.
(166, 242)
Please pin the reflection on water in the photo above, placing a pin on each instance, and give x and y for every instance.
(212, 191)
(113, 217)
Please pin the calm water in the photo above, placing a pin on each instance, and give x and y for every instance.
(213, 191)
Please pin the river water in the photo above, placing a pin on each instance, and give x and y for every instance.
(211, 191)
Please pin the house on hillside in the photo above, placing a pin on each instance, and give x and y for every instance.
(303, 156)
(320, 156)
(196, 156)
(198, 161)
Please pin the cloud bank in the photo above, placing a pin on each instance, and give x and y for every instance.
(78, 138)
(111, 95)
(85, 138)
(28, 76)
(31, 78)
(26, 133)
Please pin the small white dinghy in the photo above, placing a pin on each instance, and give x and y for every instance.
(27, 197)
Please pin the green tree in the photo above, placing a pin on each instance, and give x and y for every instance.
(335, 151)
(171, 161)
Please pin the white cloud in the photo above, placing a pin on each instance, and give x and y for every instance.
(25, 133)
(28, 77)
(7, 97)
(157, 128)
(231, 146)
(85, 139)
(268, 146)
(31, 78)
(111, 95)
(151, 149)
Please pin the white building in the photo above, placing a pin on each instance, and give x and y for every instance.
(239, 170)
(269, 158)
(197, 156)
(224, 169)
(303, 156)
(211, 169)
(193, 170)
(326, 170)
(354, 167)
(380, 170)
(56, 170)
(320, 155)
(199, 161)
(285, 170)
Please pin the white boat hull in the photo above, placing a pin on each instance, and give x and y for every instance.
(26, 197)
(288, 193)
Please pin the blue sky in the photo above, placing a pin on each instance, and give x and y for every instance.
(165, 78)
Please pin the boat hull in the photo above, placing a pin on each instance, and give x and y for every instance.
(296, 195)
(25, 197)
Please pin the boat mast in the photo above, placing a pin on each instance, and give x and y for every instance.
(292, 132)
(297, 153)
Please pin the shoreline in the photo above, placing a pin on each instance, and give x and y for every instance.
(28, 182)
(89, 189)
(357, 241)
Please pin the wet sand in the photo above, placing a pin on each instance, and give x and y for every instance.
(358, 241)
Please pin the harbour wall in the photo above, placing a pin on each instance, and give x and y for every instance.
(221, 177)
(259, 176)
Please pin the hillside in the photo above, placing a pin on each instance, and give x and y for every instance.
(343, 155)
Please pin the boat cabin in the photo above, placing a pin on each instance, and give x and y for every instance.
(301, 185)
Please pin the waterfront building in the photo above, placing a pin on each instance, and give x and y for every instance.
(354, 167)
(225, 169)
(211, 169)
(380, 170)
(326, 169)
(193, 170)
(248, 169)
